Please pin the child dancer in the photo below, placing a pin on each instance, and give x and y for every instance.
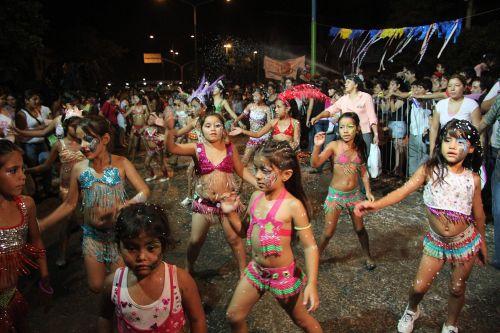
(140, 114)
(148, 294)
(21, 246)
(349, 154)
(193, 133)
(284, 128)
(259, 114)
(275, 212)
(68, 152)
(101, 180)
(154, 139)
(452, 194)
(221, 105)
(216, 162)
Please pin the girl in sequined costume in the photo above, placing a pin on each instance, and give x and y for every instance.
(21, 246)
(140, 114)
(192, 131)
(452, 194)
(101, 180)
(148, 294)
(259, 114)
(278, 209)
(154, 139)
(68, 152)
(283, 128)
(221, 105)
(349, 164)
(216, 162)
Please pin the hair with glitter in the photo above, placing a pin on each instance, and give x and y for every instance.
(455, 128)
(140, 217)
(281, 155)
(7, 147)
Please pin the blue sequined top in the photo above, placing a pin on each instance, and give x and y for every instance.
(101, 196)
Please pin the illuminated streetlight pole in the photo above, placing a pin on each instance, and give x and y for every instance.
(195, 31)
(227, 46)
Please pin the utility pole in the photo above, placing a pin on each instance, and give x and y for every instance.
(470, 11)
(313, 37)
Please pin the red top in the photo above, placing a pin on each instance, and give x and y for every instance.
(287, 132)
(110, 111)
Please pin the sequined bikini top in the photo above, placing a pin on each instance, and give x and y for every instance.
(13, 238)
(17, 256)
(452, 197)
(343, 158)
(67, 155)
(288, 132)
(110, 177)
(205, 166)
(270, 229)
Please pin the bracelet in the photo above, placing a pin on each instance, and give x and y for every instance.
(48, 291)
(302, 228)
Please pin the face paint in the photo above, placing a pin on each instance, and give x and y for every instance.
(92, 142)
(269, 178)
(463, 145)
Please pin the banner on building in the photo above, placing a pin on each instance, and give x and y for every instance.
(277, 69)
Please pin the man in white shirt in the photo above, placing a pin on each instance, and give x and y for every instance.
(419, 124)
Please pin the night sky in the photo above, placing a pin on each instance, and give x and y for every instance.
(129, 22)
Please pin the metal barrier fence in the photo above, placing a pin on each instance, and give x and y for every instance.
(403, 133)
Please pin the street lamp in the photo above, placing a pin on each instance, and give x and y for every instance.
(151, 37)
(227, 46)
(195, 33)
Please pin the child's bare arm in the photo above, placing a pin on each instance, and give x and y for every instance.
(191, 302)
(35, 239)
(479, 216)
(241, 171)
(303, 227)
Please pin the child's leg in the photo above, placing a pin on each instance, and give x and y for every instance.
(131, 146)
(96, 273)
(232, 226)
(331, 219)
(147, 164)
(427, 271)
(298, 313)
(244, 298)
(360, 230)
(459, 276)
(199, 230)
(161, 162)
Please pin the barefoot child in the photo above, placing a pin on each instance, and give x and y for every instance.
(349, 156)
(276, 211)
(452, 194)
(148, 294)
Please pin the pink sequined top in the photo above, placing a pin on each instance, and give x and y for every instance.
(270, 229)
(165, 315)
(205, 166)
(451, 198)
